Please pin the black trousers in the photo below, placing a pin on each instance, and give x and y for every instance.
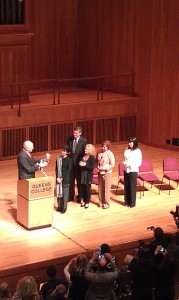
(130, 187)
(86, 193)
(62, 202)
(75, 174)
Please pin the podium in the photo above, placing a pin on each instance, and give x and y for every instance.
(35, 202)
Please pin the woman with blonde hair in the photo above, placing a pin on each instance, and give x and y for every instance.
(74, 273)
(87, 164)
(26, 289)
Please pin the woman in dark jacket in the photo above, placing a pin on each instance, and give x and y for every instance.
(143, 275)
(87, 164)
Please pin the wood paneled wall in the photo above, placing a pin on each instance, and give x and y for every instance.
(54, 49)
(142, 37)
(102, 37)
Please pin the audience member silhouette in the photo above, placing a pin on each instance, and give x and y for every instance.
(160, 239)
(4, 291)
(51, 283)
(143, 274)
(166, 273)
(59, 293)
(74, 273)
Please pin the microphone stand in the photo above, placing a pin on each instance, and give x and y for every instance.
(43, 172)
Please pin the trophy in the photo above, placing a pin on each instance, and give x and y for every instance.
(47, 157)
(45, 162)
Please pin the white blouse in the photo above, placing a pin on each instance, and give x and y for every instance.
(132, 160)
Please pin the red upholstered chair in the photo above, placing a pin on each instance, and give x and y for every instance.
(95, 176)
(121, 177)
(170, 171)
(146, 173)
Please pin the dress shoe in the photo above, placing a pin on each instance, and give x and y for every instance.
(105, 206)
(82, 204)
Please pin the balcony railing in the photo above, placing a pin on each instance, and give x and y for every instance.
(19, 94)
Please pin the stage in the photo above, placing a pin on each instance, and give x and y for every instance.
(81, 230)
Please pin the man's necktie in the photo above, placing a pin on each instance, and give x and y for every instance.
(74, 145)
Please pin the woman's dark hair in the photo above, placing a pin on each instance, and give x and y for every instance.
(158, 234)
(135, 142)
(51, 271)
(105, 249)
(144, 254)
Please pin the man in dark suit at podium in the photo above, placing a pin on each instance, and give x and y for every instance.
(76, 144)
(27, 166)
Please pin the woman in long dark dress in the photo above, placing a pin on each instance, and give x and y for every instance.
(87, 164)
(74, 273)
(143, 274)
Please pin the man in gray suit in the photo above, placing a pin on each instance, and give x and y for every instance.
(27, 165)
(76, 144)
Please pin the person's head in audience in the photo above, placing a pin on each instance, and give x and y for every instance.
(26, 287)
(102, 264)
(4, 291)
(158, 234)
(144, 254)
(104, 248)
(51, 271)
(60, 292)
(80, 262)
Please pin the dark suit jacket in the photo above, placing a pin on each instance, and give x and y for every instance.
(26, 165)
(80, 149)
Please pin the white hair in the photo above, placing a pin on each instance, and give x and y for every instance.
(28, 145)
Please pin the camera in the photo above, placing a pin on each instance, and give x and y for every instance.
(162, 250)
(150, 228)
(101, 256)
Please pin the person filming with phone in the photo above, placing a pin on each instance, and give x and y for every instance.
(160, 239)
(101, 281)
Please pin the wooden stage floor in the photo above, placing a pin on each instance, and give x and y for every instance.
(80, 229)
